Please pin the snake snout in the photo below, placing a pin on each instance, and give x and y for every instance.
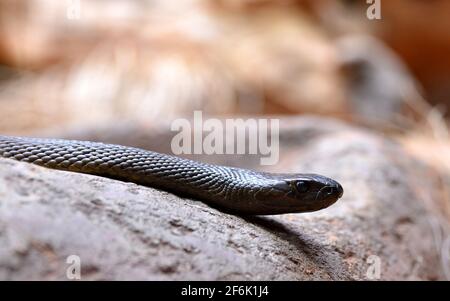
(332, 191)
(340, 190)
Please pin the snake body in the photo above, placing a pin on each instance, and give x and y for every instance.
(232, 189)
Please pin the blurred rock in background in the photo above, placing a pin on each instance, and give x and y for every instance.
(381, 91)
(416, 30)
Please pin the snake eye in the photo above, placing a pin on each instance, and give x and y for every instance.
(301, 186)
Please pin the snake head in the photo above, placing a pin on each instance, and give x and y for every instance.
(293, 193)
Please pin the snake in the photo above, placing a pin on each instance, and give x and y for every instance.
(230, 189)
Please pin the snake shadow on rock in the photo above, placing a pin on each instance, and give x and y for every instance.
(306, 245)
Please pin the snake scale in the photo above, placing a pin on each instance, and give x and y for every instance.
(231, 189)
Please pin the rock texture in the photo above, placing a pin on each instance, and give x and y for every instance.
(125, 231)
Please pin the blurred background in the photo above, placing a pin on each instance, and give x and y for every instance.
(96, 69)
(120, 71)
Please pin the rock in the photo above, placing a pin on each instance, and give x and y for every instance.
(381, 227)
(381, 90)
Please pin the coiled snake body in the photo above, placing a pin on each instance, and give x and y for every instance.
(237, 190)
